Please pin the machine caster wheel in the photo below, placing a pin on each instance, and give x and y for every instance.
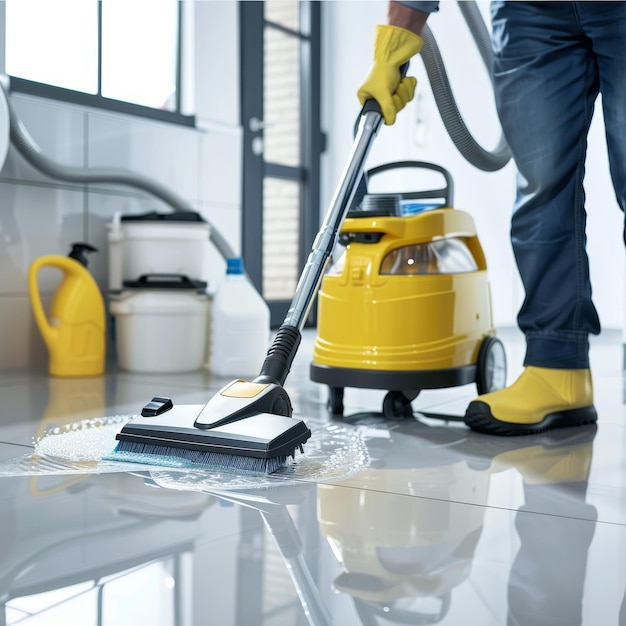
(490, 366)
(335, 400)
(397, 405)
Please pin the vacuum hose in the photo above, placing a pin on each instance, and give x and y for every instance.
(489, 161)
(28, 148)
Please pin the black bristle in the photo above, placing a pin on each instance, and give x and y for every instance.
(213, 460)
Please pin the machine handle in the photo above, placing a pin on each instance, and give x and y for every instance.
(446, 192)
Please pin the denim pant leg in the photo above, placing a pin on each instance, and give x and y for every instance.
(546, 82)
(605, 24)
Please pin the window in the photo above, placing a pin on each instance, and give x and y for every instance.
(118, 55)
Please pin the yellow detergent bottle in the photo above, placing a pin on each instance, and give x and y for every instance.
(74, 329)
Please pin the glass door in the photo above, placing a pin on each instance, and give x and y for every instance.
(280, 59)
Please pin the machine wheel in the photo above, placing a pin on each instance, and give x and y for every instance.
(397, 405)
(335, 400)
(490, 366)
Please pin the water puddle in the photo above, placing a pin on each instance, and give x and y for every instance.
(334, 452)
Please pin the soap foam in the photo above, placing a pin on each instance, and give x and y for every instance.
(334, 452)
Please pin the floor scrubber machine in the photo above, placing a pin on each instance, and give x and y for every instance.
(406, 306)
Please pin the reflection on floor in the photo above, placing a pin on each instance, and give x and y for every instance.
(441, 526)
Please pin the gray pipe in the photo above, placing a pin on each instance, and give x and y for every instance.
(470, 149)
(28, 148)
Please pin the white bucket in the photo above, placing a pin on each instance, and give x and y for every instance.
(155, 243)
(160, 330)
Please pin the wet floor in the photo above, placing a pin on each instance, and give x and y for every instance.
(418, 521)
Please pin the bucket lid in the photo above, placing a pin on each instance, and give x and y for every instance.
(153, 216)
(166, 281)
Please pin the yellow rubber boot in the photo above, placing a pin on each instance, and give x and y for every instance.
(540, 399)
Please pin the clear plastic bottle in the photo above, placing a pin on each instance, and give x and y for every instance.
(240, 325)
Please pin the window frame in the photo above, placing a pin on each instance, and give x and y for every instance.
(98, 101)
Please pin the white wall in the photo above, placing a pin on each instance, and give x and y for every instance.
(216, 58)
(39, 216)
(348, 37)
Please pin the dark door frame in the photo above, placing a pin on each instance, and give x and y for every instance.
(255, 169)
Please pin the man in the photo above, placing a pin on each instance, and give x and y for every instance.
(551, 59)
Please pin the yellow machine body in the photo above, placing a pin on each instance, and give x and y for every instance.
(407, 306)
(373, 320)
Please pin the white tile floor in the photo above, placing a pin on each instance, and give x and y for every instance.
(442, 526)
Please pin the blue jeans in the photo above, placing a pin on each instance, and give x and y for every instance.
(551, 61)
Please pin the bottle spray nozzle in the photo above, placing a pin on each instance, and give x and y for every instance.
(78, 252)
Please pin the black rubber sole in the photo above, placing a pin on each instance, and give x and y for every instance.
(479, 418)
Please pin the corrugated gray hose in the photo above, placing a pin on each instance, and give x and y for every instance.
(489, 161)
(28, 148)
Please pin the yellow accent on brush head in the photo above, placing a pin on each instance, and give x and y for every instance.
(244, 389)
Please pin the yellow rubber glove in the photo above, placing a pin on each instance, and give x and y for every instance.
(393, 47)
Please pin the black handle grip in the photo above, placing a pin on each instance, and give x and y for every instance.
(280, 356)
